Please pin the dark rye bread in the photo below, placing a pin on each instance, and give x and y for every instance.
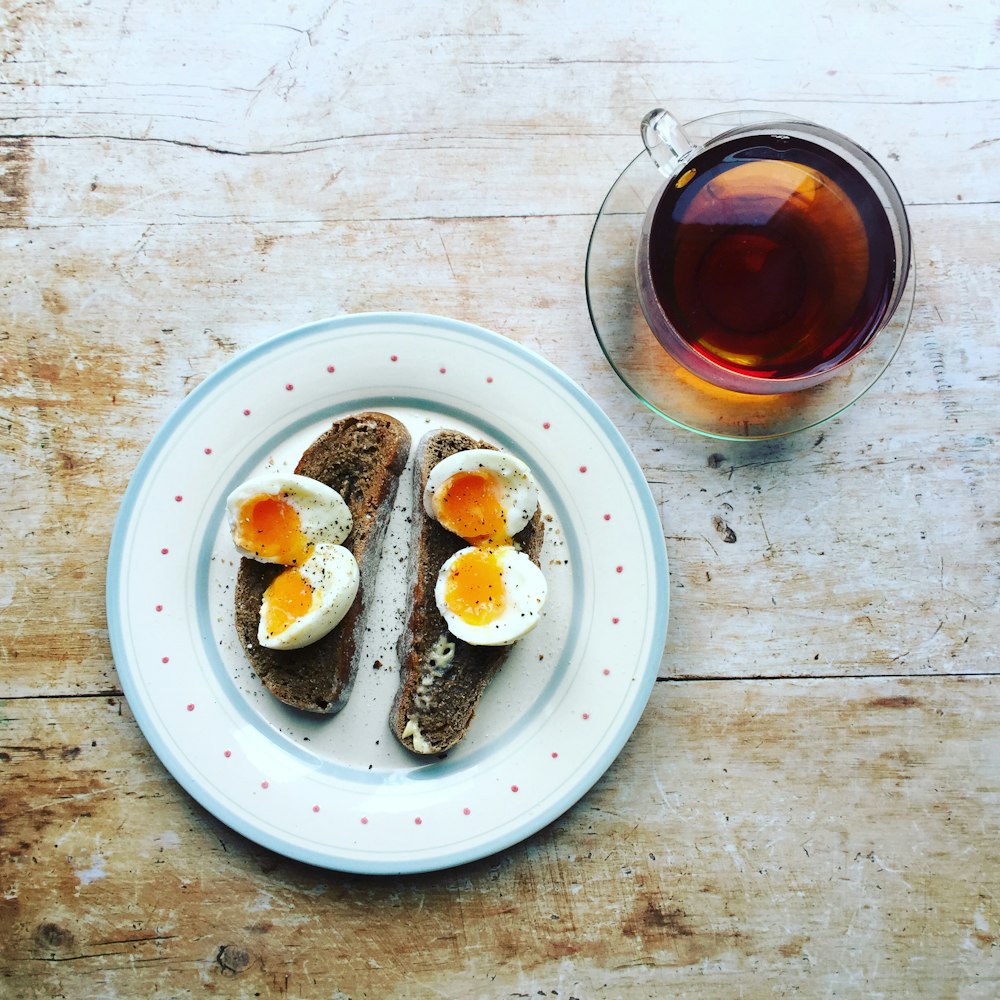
(441, 699)
(361, 457)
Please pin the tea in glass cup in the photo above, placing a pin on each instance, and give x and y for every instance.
(772, 255)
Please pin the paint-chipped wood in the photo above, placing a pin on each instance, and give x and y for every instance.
(809, 805)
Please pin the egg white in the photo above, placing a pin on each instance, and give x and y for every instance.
(525, 590)
(332, 572)
(518, 492)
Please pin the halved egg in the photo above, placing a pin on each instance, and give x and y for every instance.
(304, 603)
(490, 596)
(299, 523)
(483, 496)
(279, 518)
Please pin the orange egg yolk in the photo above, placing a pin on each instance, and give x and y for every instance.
(474, 590)
(468, 504)
(287, 599)
(269, 527)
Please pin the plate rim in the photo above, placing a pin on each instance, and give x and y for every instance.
(582, 780)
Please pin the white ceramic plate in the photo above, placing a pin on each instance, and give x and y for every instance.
(338, 791)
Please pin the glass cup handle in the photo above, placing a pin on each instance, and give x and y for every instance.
(665, 140)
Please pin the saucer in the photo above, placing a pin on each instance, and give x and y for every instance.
(663, 384)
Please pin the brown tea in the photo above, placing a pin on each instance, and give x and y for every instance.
(772, 257)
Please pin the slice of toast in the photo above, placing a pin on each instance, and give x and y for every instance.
(361, 457)
(441, 678)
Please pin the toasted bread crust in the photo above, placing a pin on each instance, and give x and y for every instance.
(361, 457)
(438, 694)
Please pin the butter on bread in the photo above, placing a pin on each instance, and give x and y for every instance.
(442, 678)
(362, 457)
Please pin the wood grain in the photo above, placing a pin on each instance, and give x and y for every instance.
(787, 837)
(783, 574)
(809, 804)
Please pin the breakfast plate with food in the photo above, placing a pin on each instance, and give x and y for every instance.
(387, 593)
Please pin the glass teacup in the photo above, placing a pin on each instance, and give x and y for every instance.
(773, 253)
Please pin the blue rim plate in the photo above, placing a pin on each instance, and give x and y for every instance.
(338, 791)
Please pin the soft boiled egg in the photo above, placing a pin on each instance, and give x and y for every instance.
(483, 496)
(490, 596)
(304, 603)
(299, 523)
(279, 518)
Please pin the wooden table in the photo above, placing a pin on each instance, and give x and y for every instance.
(809, 804)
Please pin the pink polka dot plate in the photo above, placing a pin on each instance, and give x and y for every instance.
(338, 791)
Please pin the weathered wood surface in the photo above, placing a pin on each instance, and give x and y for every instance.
(809, 805)
(755, 838)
